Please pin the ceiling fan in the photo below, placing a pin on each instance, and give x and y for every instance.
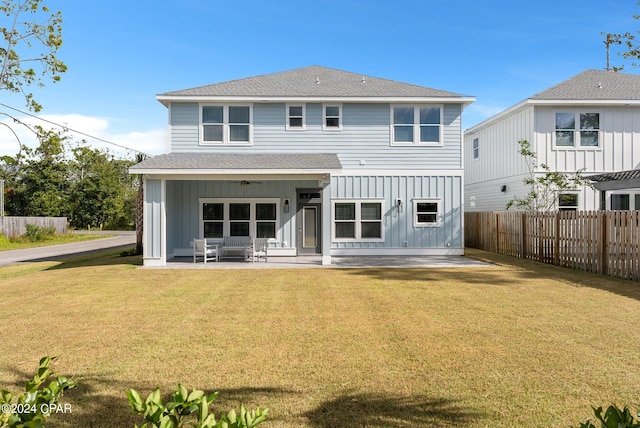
(245, 183)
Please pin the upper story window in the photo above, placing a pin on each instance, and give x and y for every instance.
(295, 116)
(416, 125)
(577, 129)
(332, 117)
(226, 124)
(476, 148)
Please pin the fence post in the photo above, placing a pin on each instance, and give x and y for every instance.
(497, 233)
(523, 221)
(556, 240)
(602, 245)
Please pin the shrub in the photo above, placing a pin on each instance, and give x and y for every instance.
(35, 405)
(190, 410)
(613, 418)
(38, 233)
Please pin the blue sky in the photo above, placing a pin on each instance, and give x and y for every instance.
(121, 54)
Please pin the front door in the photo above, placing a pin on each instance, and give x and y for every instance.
(308, 220)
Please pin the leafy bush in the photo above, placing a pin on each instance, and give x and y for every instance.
(190, 410)
(35, 405)
(613, 418)
(38, 233)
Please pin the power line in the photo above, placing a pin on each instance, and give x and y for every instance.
(75, 131)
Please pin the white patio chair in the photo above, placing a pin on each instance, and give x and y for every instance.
(204, 250)
(258, 249)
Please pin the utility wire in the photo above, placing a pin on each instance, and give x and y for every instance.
(73, 130)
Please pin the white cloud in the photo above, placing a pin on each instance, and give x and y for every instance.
(153, 141)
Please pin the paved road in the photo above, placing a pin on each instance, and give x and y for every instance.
(56, 252)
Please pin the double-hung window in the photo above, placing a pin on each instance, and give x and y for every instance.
(332, 117)
(226, 124)
(577, 129)
(476, 148)
(416, 125)
(295, 116)
(427, 212)
(358, 220)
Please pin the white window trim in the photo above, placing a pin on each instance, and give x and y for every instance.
(576, 131)
(569, 207)
(288, 127)
(632, 196)
(475, 147)
(438, 221)
(416, 126)
(324, 118)
(225, 125)
(226, 226)
(358, 220)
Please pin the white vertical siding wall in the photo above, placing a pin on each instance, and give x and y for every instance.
(499, 162)
(620, 141)
(398, 227)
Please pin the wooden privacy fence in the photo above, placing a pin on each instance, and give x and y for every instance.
(15, 226)
(605, 242)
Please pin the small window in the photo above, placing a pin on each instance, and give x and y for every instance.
(589, 129)
(426, 213)
(332, 118)
(476, 148)
(568, 202)
(371, 219)
(295, 116)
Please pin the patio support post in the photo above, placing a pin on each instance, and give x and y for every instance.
(326, 222)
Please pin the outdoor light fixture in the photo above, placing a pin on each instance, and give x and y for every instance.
(286, 205)
(503, 188)
(399, 205)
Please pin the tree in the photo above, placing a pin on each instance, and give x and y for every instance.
(100, 189)
(42, 182)
(28, 54)
(630, 43)
(546, 185)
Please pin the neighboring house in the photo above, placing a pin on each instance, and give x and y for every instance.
(320, 160)
(590, 121)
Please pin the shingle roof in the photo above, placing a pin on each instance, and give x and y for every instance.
(594, 85)
(616, 176)
(313, 81)
(239, 162)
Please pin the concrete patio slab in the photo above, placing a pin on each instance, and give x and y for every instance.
(336, 262)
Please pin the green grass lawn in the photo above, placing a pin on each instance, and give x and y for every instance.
(67, 238)
(518, 344)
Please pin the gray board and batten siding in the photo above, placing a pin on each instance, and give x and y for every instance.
(363, 141)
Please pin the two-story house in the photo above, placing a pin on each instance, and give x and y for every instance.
(321, 161)
(589, 121)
